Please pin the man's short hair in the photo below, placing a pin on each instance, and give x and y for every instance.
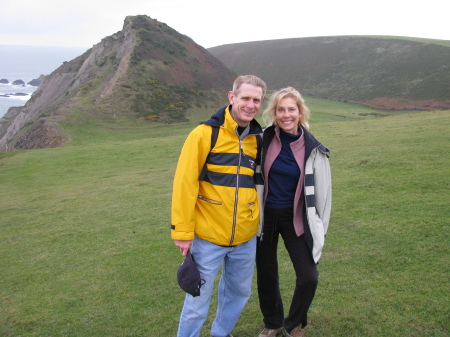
(249, 79)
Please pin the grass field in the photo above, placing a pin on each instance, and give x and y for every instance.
(85, 248)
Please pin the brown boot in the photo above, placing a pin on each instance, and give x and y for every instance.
(296, 332)
(269, 332)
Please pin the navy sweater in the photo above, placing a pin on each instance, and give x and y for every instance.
(283, 175)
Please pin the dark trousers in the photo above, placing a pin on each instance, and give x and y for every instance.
(280, 221)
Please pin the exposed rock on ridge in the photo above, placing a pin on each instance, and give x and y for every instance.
(146, 70)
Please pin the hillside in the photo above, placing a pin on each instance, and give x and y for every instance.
(152, 72)
(147, 70)
(390, 73)
(86, 250)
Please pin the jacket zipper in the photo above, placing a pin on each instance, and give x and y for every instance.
(236, 197)
(264, 184)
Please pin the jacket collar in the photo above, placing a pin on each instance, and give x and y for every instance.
(222, 117)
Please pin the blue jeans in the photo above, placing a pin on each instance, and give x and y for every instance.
(234, 287)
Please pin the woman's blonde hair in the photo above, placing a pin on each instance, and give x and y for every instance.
(269, 114)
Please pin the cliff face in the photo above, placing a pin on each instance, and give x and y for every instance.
(36, 124)
(146, 70)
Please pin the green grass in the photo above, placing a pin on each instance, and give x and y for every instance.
(85, 248)
(323, 110)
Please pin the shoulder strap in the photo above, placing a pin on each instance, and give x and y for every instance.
(259, 144)
(214, 135)
(258, 177)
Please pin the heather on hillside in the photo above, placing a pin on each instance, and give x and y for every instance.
(350, 68)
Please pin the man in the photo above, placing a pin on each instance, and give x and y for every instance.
(217, 215)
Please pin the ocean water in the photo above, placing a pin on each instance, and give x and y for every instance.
(27, 63)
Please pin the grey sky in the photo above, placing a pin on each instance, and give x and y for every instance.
(84, 23)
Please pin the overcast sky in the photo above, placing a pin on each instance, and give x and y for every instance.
(83, 23)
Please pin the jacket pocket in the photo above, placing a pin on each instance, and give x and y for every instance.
(251, 206)
(211, 201)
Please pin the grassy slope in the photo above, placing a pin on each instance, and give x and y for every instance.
(85, 247)
(357, 68)
(445, 43)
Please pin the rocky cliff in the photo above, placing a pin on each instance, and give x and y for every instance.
(147, 70)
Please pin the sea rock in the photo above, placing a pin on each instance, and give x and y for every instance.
(4, 81)
(37, 81)
(16, 94)
(18, 82)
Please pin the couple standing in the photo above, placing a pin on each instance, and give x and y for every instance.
(218, 216)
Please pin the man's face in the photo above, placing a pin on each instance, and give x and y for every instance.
(246, 103)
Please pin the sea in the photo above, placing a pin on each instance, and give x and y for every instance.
(27, 63)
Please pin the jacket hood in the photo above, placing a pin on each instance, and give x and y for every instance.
(218, 119)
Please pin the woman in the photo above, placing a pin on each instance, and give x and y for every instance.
(297, 205)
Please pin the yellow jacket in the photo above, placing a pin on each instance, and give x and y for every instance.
(224, 207)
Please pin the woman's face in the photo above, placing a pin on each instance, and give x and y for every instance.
(287, 115)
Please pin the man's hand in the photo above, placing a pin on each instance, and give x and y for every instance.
(183, 246)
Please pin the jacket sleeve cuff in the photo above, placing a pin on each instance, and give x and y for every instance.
(181, 235)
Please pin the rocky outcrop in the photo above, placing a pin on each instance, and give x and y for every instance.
(46, 101)
(37, 81)
(146, 70)
(18, 82)
(10, 115)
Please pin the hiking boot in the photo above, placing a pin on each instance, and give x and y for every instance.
(296, 332)
(269, 332)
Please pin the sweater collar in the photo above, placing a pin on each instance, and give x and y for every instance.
(280, 133)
